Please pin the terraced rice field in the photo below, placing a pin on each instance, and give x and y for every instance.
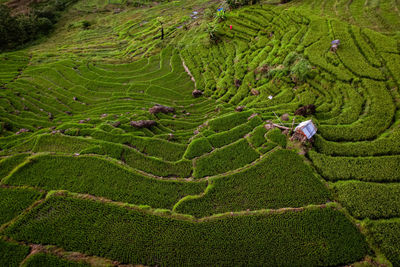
(205, 185)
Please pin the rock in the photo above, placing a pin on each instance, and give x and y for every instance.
(104, 115)
(285, 132)
(252, 116)
(285, 117)
(239, 108)
(23, 130)
(160, 108)
(197, 93)
(305, 110)
(75, 98)
(174, 116)
(68, 113)
(268, 126)
(170, 136)
(187, 113)
(116, 124)
(82, 121)
(255, 92)
(238, 83)
(143, 123)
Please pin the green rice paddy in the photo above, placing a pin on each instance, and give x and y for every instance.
(206, 185)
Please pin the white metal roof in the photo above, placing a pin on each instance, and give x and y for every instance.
(307, 128)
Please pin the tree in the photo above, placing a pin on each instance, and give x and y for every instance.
(10, 30)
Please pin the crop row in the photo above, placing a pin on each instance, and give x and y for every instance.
(369, 200)
(279, 180)
(48, 260)
(230, 157)
(12, 253)
(14, 200)
(377, 169)
(81, 174)
(132, 236)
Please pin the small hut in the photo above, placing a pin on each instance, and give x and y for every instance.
(334, 45)
(306, 129)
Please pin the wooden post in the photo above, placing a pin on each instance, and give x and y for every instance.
(291, 130)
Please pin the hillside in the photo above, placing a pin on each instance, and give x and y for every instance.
(108, 157)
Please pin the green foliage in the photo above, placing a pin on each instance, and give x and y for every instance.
(386, 235)
(227, 158)
(224, 138)
(377, 169)
(379, 116)
(369, 200)
(220, 15)
(229, 121)
(81, 174)
(277, 238)
(279, 180)
(15, 200)
(238, 3)
(301, 70)
(382, 146)
(212, 30)
(60, 143)
(44, 260)
(11, 253)
(9, 163)
(257, 136)
(17, 30)
(182, 168)
(276, 136)
(197, 147)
